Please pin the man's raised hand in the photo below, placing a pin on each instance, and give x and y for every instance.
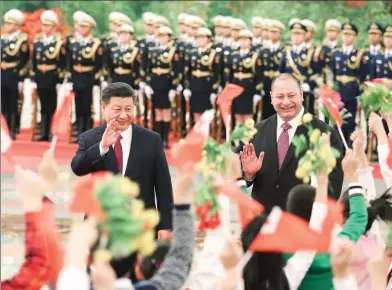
(110, 135)
(250, 162)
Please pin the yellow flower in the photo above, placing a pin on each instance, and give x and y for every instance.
(204, 153)
(307, 118)
(135, 244)
(300, 173)
(254, 131)
(309, 152)
(102, 255)
(219, 159)
(150, 218)
(315, 136)
(307, 166)
(331, 162)
(137, 208)
(147, 249)
(250, 123)
(306, 179)
(129, 187)
(147, 243)
(324, 152)
(313, 157)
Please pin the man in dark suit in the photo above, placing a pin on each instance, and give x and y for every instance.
(125, 148)
(268, 161)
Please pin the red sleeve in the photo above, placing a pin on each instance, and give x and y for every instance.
(33, 273)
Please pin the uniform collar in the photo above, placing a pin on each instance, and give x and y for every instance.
(202, 49)
(332, 44)
(348, 49)
(257, 40)
(298, 48)
(308, 44)
(274, 46)
(266, 43)
(294, 122)
(85, 40)
(48, 39)
(244, 51)
(375, 48)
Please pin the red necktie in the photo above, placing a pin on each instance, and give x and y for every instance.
(119, 154)
(283, 143)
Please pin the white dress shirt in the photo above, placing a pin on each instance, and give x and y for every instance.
(274, 46)
(375, 49)
(347, 49)
(332, 44)
(297, 48)
(125, 141)
(294, 124)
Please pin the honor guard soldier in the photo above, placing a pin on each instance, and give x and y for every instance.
(85, 69)
(116, 19)
(349, 72)
(271, 57)
(324, 52)
(297, 60)
(183, 27)
(310, 30)
(218, 29)
(124, 58)
(375, 35)
(162, 80)
(236, 26)
(73, 38)
(202, 74)
(257, 30)
(266, 41)
(197, 22)
(383, 64)
(244, 69)
(48, 69)
(149, 38)
(14, 58)
(226, 23)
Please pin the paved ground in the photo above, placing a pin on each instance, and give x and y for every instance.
(12, 223)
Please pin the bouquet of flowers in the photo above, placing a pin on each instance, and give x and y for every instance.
(319, 155)
(333, 107)
(244, 132)
(375, 97)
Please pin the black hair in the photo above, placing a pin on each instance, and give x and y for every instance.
(379, 208)
(285, 76)
(300, 201)
(151, 264)
(119, 89)
(264, 271)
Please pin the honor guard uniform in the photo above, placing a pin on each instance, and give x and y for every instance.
(244, 69)
(124, 58)
(85, 69)
(271, 57)
(324, 52)
(349, 72)
(375, 34)
(257, 30)
(382, 67)
(73, 38)
(14, 58)
(149, 38)
(116, 19)
(162, 80)
(48, 69)
(297, 60)
(202, 75)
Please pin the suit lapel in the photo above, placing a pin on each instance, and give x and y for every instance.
(272, 148)
(290, 152)
(109, 158)
(136, 147)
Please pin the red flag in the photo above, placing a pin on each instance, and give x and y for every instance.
(188, 152)
(6, 140)
(226, 97)
(84, 199)
(331, 100)
(248, 208)
(62, 117)
(285, 232)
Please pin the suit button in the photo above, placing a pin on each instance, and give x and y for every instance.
(277, 186)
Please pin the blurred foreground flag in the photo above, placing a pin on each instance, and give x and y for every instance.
(6, 140)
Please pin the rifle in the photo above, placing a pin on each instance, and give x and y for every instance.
(34, 101)
(174, 113)
(140, 108)
(259, 110)
(180, 116)
(188, 115)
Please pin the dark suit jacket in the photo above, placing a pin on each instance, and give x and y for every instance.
(146, 165)
(271, 185)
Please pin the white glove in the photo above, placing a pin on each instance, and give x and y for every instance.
(262, 93)
(179, 88)
(104, 84)
(187, 94)
(34, 85)
(172, 95)
(213, 99)
(68, 87)
(305, 87)
(256, 99)
(20, 87)
(219, 90)
(149, 92)
(142, 85)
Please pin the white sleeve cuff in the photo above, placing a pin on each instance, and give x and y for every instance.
(72, 278)
(319, 213)
(101, 151)
(355, 188)
(348, 282)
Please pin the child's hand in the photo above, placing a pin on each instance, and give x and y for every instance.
(342, 258)
(48, 170)
(103, 276)
(31, 187)
(182, 188)
(231, 254)
(359, 141)
(350, 166)
(375, 124)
